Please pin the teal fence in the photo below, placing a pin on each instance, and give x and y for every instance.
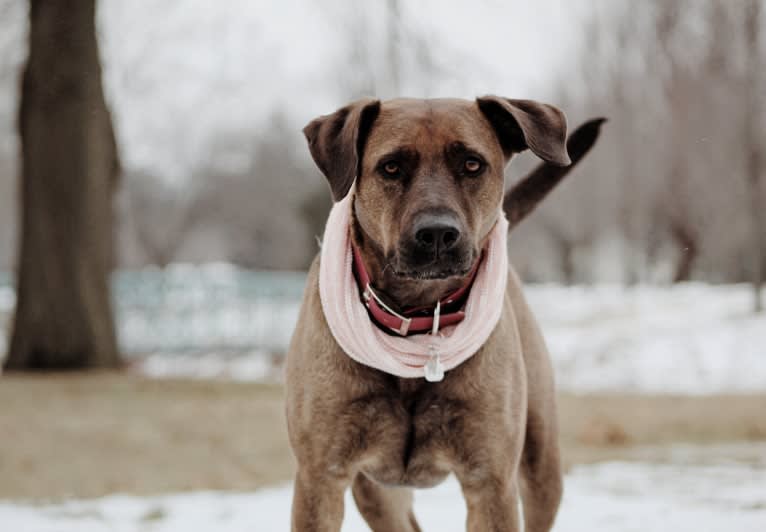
(187, 309)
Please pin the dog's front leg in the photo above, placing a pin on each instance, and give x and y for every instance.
(493, 505)
(317, 503)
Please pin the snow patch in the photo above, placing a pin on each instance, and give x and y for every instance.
(251, 366)
(609, 497)
(687, 339)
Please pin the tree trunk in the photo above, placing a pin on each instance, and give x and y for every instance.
(753, 138)
(566, 247)
(687, 251)
(69, 172)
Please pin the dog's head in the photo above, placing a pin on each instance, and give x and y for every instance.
(428, 174)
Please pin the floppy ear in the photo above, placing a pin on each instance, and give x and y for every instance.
(522, 124)
(336, 142)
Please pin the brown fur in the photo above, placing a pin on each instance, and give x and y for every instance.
(492, 420)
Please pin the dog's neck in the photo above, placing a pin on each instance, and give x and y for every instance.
(397, 292)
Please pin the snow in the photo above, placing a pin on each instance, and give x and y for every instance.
(609, 497)
(689, 339)
(250, 366)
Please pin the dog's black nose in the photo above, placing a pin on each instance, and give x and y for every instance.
(436, 233)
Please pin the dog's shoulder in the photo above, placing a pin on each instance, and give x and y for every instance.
(311, 306)
(534, 349)
(514, 293)
(313, 347)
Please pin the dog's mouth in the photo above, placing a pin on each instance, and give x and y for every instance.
(435, 270)
(432, 274)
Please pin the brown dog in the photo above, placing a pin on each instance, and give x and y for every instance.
(429, 187)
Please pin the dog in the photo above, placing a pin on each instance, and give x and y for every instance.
(425, 179)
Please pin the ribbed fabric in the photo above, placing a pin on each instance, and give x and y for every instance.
(406, 357)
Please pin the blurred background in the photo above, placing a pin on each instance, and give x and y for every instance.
(158, 209)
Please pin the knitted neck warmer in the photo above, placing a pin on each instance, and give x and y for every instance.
(416, 356)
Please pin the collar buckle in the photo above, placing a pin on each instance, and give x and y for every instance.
(405, 322)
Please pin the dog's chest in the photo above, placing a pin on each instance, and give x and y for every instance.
(410, 437)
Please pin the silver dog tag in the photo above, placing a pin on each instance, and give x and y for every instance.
(433, 370)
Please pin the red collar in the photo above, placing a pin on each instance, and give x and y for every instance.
(411, 321)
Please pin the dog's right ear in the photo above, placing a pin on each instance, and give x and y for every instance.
(522, 124)
(336, 142)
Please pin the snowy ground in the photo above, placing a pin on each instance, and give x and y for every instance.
(689, 339)
(608, 497)
(219, 321)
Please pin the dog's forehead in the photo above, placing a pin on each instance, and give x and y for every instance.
(430, 124)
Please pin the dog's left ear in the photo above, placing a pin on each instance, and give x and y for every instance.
(522, 124)
(336, 142)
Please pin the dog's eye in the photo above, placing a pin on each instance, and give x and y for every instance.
(391, 168)
(472, 166)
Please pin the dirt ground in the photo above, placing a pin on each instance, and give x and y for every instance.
(88, 435)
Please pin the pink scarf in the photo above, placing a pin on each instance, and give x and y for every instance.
(422, 355)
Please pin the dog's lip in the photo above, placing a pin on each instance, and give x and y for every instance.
(432, 275)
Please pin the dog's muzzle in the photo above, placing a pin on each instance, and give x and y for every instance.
(435, 247)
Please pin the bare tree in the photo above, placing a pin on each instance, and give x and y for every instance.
(393, 48)
(70, 169)
(162, 216)
(12, 31)
(753, 145)
(670, 77)
(264, 207)
(677, 85)
(403, 58)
